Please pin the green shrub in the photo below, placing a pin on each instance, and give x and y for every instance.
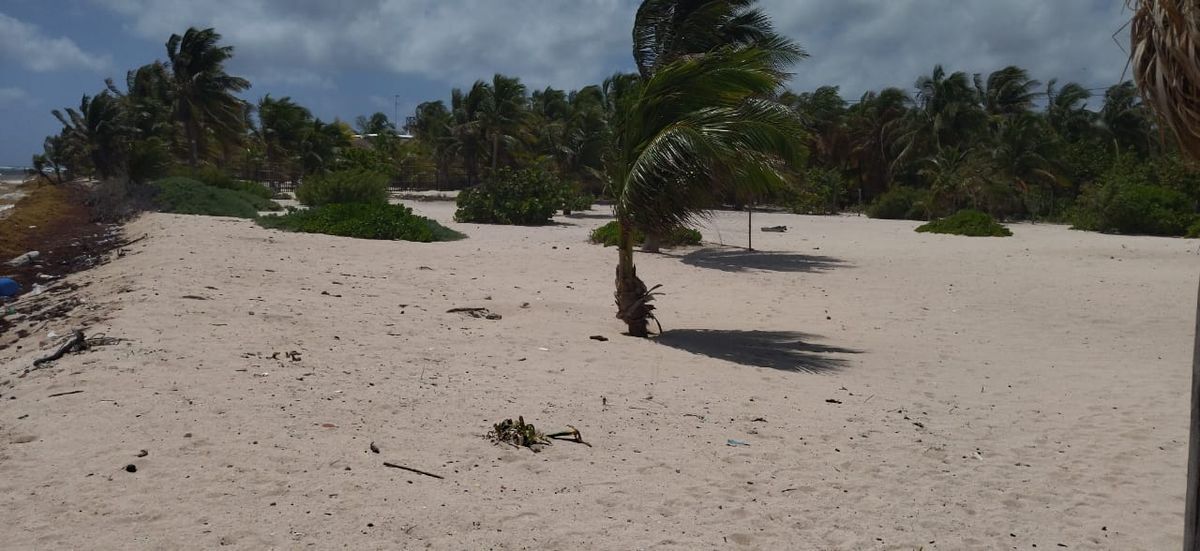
(215, 177)
(902, 203)
(180, 195)
(1194, 230)
(967, 222)
(610, 233)
(344, 186)
(527, 197)
(575, 201)
(362, 220)
(1136, 197)
(821, 192)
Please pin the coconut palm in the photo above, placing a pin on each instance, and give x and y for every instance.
(282, 129)
(501, 113)
(693, 129)
(1007, 92)
(202, 92)
(1066, 110)
(1127, 120)
(96, 136)
(875, 127)
(1164, 34)
(666, 30)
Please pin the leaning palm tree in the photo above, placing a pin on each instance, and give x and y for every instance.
(203, 93)
(1166, 67)
(695, 128)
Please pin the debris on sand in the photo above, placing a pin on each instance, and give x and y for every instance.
(481, 313)
(524, 435)
(775, 229)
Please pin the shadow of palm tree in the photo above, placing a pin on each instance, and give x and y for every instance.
(740, 260)
(782, 350)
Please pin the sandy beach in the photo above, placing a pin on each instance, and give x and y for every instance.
(852, 385)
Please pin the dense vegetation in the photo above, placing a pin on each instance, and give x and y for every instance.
(181, 195)
(344, 186)
(967, 222)
(364, 221)
(527, 197)
(1002, 143)
(609, 236)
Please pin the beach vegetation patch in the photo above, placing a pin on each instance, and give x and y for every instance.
(527, 197)
(967, 222)
(356, 185)
(180, 195)
(363, 221)
(609, 235)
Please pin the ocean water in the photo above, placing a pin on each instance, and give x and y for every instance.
(13, 172)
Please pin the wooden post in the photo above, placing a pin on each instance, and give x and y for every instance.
(1191, 519)
(750, 227)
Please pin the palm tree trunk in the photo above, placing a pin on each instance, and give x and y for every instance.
(193, 138)
(632, 307)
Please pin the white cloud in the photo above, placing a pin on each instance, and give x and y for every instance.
(25, 44)
(564, 43)
(857, 44)
(14, 96)
(869, 44)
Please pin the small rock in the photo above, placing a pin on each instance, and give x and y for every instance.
(131, 468)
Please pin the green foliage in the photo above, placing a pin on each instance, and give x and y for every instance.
(902, 203)
(344, 186)
(1135, 197)
(821, 192)
(967, 222)
(574, 201)
(609, 236)
(526, 197)
(1194, 230)
(215, 177)
(181, 195)
(363, 221)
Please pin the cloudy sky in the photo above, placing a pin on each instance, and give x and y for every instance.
(354, 57)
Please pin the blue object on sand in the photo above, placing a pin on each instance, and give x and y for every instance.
(8, 287)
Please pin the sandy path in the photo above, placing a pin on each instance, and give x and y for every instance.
(994, 393)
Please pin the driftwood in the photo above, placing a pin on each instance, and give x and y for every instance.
(412, 470)
(775, 229)
(64, 393)
(482, 313)
(77, 343)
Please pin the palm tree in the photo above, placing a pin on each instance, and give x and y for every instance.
(501, 113)
(202, 92)
(1128, 122)
(282, 128)
(433, 125)
(1007, 92)
(96, 136)
(1066, 110)
(875, 127)
(693, 129)
(666, 30)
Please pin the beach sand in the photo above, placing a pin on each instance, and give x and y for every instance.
(895, 390)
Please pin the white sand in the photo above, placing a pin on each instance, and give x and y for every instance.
(995, 393)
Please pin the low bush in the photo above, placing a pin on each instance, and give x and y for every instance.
(344, 186)
(215, 177)
(577, 202)
(180, 195)
(820, 193)
(609, 235)
(1135, 197)
(363, 221)
(527, 197)
(967, 222)
(1194, 230)
(902, 203)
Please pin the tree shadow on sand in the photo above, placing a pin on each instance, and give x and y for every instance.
(782, 350)
(740, 260)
